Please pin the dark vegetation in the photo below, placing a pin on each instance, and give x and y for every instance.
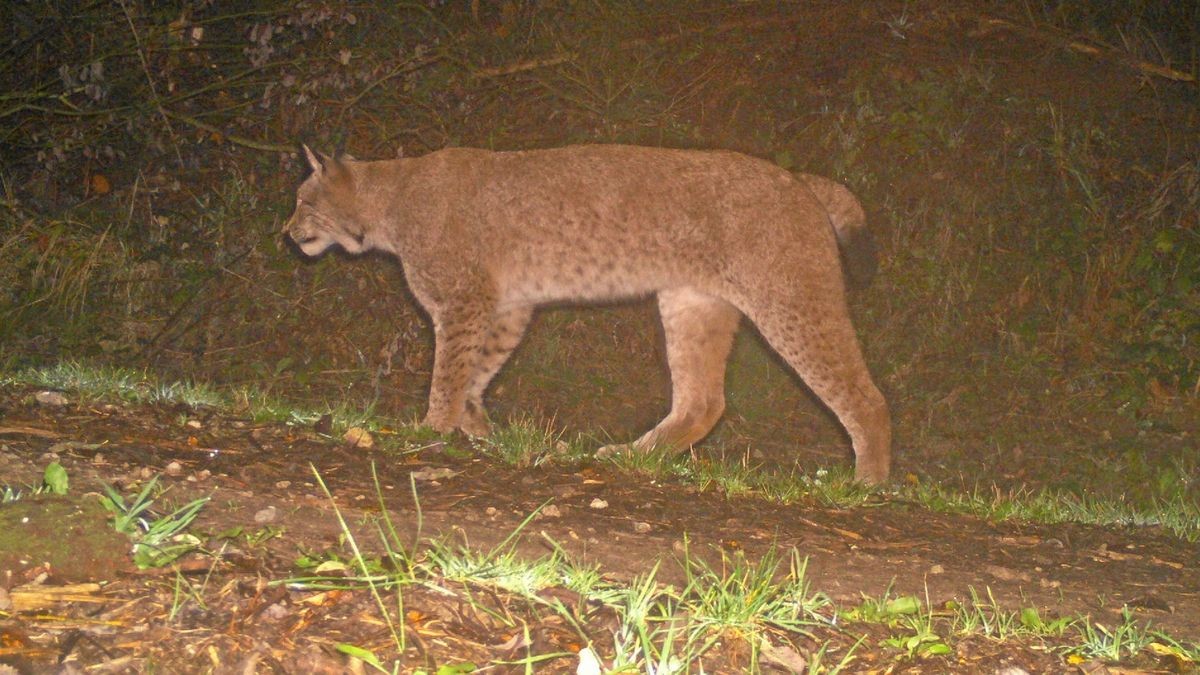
(1033, 181)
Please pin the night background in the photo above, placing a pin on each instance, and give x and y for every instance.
(1030, 171)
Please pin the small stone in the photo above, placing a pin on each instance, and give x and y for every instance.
(174, 469)
(275, 612)
(283, 484)
(266, 515)
(431, 473)
(194, 424)
(937, 569)
(598, 503)
(51, 398)
(1005, 573)
(588, 663)
(98, 458)
(641, 527)
(357, 437)
(491, 511)
(550, 511)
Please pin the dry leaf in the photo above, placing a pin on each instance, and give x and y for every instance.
(99, 184)
(357, 437)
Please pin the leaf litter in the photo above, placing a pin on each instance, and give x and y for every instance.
(286, 593)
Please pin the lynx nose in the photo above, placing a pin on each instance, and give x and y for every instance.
(293, 230)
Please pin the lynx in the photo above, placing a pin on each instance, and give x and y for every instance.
(485, 237)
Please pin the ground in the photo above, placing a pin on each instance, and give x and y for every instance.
(260, 479)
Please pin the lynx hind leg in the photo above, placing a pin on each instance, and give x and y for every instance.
(502, 337)
(817, 340)
(699, 332)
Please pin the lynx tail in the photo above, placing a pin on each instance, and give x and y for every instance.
(857, 245)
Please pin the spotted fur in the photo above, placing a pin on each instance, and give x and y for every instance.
(485, 237)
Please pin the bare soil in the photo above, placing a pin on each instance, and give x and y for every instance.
(259, 476)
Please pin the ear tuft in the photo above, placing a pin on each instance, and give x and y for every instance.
(315, 162)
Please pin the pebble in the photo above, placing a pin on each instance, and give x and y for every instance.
(588, 663)
(51, 398)
(641, 527)
(598, 503)
(275, 612)
(266, 515)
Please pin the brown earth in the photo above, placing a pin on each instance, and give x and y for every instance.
(237, 621)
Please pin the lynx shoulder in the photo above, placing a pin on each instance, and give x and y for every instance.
(485, 237)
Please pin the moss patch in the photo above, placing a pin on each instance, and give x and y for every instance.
(69, 536)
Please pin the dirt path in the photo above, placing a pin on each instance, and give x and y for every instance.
(259, 475)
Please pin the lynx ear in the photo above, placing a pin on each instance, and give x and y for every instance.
(315, 162)
(323, 165)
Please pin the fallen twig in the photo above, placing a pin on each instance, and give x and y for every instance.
(987, 24)
(28, 431)
(232, 138)
(28, 598)
(564, 56)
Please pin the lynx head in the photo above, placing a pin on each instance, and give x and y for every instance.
(326, 209)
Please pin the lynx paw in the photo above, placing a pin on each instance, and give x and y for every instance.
(475, 426)
(871, 473)
(479, 428)
(438, 424)
(608, 451)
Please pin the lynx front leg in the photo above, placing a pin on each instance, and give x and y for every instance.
(699, 332)
(458, 336)
(505, 333)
